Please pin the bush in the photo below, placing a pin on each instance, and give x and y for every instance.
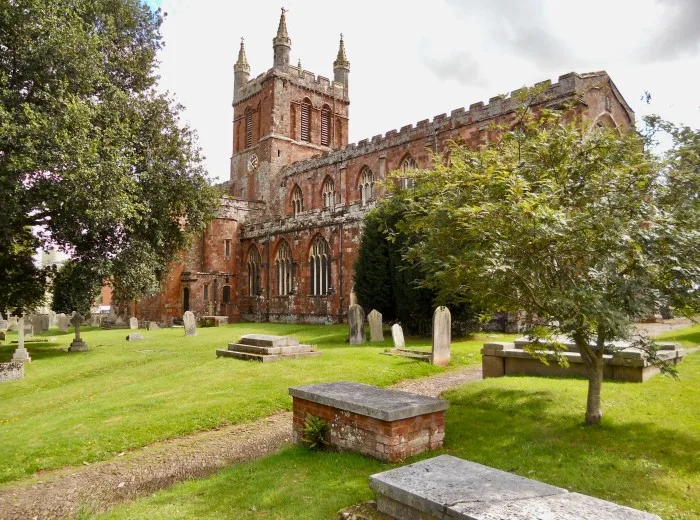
(316, 432)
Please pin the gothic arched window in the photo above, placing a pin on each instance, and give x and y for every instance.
(408, 163)
(253, 271)
(297, 200)
(306, 120)
(366, 185)
(329, 193)
(283, 264)
(326, 126)
(320, 267)
(248, 128)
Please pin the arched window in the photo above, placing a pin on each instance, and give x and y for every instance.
(306, 120)
(320, 267)
(329, 193)
(248, 128)
(408, 163)
(253, 271)
(283, 265)
(366, 185)
(326, 126)
(297, 200)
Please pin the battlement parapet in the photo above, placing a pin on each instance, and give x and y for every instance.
(296, 75)
(239, 209)
(478, 113)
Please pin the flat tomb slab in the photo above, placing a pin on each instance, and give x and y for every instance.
(447, 487)
(370, 401)
(267, 340)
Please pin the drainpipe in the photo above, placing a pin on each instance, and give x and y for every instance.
(340, 270)
(268, 278)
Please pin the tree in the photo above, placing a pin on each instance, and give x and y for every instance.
(76, 286)
(574, 225)
(92, 157)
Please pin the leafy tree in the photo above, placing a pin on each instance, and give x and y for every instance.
(574, 225)
(91, 155)
(76, 286)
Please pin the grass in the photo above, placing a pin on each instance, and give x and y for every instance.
(76, 407)
(644, 454)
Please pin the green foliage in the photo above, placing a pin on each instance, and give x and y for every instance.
(90, 153)
(576, 226)
(316, 433)
(76, 286)
(23, 283)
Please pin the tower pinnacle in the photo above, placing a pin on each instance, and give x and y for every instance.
(242, 63)
(341, 66)
(241, 70)
(282, 44)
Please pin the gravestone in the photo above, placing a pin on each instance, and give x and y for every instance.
(77, 345)
(442, 336)
(27, 329)
(96, 320)
(152, 325)
(3, 336)
(44, 322)
(4, 324)
(119, 321)
(356, 323)
(375, 326)
(134, 336)
(353, 296)
(397, 336)
(35, 321)
(63, 322)
(21, 353)
(190, 323)
(133, 323)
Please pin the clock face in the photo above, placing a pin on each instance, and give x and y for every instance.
(253, 163)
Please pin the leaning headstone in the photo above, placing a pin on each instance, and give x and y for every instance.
(397, 336)
(375, 326)
(21, 353)
(190, 323)
(134, 336)
(133, 323)
(356, 323)
(442, 336)
(63, 322)
(77, 345)
(152, 325)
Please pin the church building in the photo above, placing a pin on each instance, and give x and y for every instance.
(286, 236)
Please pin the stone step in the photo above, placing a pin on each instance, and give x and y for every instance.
(247, 356)
(265, 340)
(266, 351)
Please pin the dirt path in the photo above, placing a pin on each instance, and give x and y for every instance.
(97, 487)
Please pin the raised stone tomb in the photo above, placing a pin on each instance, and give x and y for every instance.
(447, 487)
(389, 425)
(624, 363)
(266, 348)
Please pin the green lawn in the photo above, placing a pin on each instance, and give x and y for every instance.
(644, 454)
(75, 407)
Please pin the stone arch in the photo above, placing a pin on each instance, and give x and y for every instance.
(365, 184)
(296, 200)
(254, 270)
(408, 162)
(319, 256)
(328, 193)
(605, 120)
(283, 267)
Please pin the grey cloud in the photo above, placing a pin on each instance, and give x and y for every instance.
(460, 66)
(521, 27)
(678, 33)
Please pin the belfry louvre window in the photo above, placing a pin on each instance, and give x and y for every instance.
(253, 272)
(297, 200)
(320, 267)
(283, 263)
(249, 129)
(329, 193)
(306, 121)
(408, 163)
(325, 127)
(366, 185)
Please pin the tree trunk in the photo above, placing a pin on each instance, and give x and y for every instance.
(594, 410)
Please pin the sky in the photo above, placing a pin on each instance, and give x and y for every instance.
(413, 60)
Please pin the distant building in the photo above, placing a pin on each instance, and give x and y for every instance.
(286, 238)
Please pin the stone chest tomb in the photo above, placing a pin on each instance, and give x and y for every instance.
(389, 425)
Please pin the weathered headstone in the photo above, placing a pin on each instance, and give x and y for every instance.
(44, 322)
(353, 296)
(190, 323)
(134, 336)
(35, 322)
(375, 326)
(77, 345)
(119, 321)
(4, 324)
(95, 320)
(63, 322)
(356, 323)
(3, 336)
(397, 336)
(21, 353)
(152, 325)
(442, 336)
(133, 323)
